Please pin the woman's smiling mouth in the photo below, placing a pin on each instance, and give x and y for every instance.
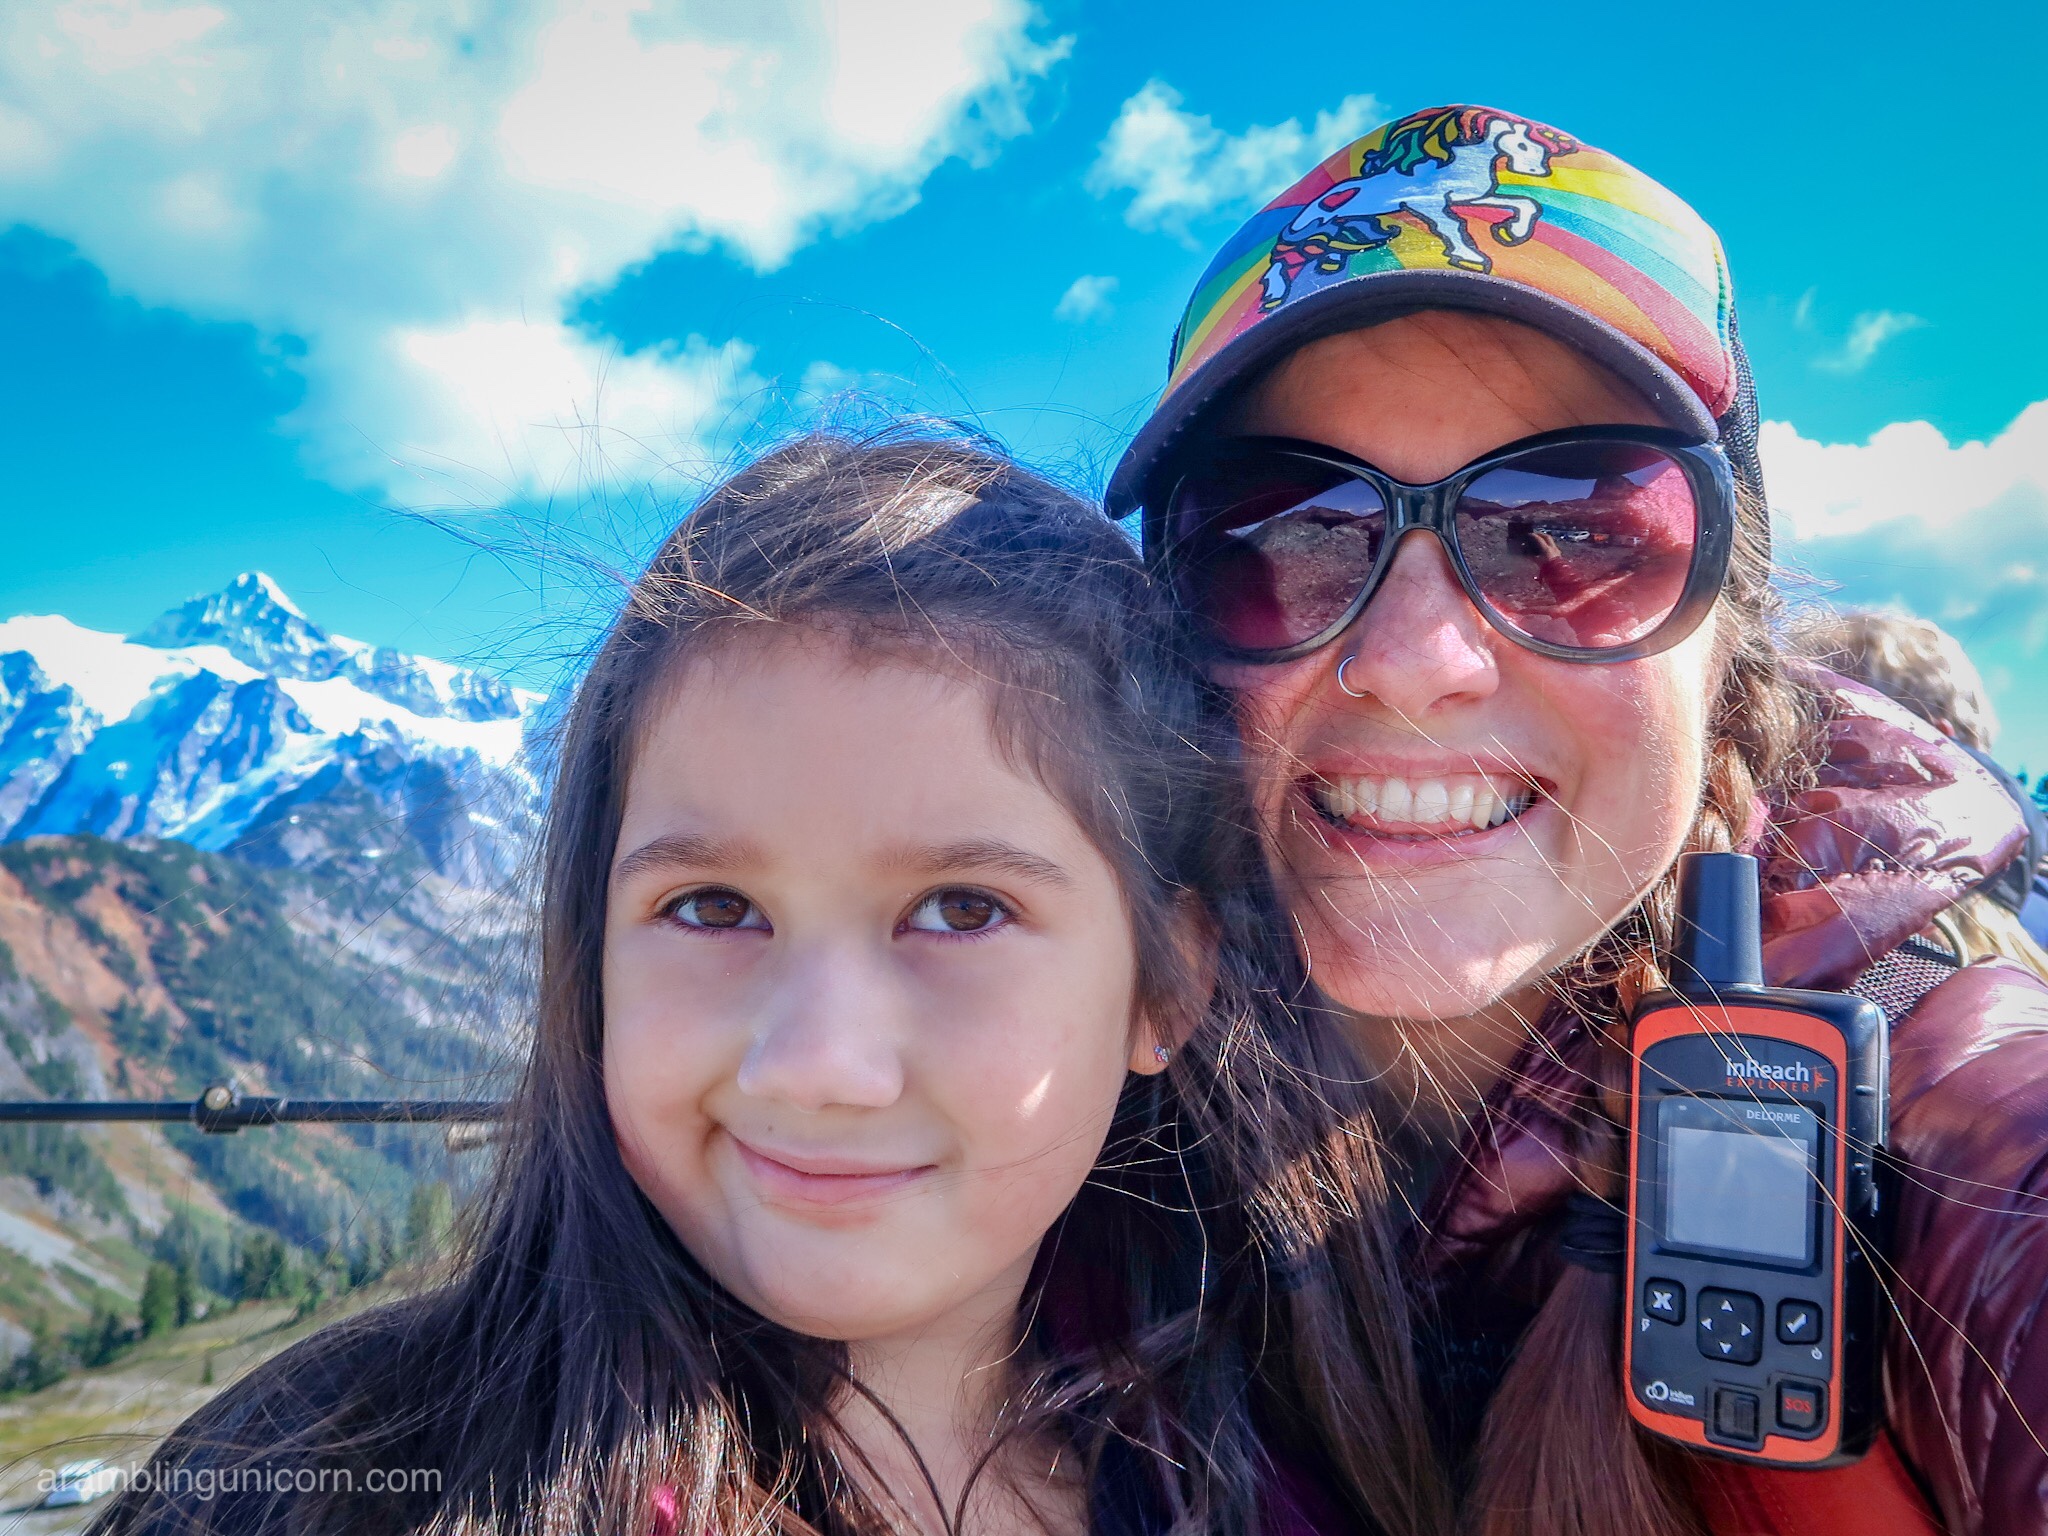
(822, 1180)
(1419, 806)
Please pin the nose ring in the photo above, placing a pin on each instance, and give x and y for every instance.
(1349, 691)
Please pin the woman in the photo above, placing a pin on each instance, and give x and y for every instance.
(1481, 752)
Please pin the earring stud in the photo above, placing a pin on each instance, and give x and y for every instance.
(1162, 1054)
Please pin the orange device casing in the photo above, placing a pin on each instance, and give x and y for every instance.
(1791, 1379)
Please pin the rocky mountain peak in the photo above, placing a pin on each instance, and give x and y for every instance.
(236, 705)
(254, 622)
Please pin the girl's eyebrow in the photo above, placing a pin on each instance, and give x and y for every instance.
(983, 853)
(689, 848)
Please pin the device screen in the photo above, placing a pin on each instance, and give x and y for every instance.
(1739, 1177)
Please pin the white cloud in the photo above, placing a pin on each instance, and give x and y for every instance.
(558, 410)
(1955, 532)
(1178, 165)
(1908, 473)
(1867, 332)
(419, 188)
(1087, 298)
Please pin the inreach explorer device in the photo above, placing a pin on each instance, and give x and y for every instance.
(1756, 1118)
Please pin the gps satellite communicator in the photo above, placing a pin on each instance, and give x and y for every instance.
(1755, 1121)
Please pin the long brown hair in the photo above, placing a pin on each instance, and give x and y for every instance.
(1558, 1454)
(1222, 1287)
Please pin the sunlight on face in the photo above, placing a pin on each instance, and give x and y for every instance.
(1597, 770)
(868, 991)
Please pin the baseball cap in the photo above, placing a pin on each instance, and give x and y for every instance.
(1467, 207)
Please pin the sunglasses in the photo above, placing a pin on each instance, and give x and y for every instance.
(1593, 544)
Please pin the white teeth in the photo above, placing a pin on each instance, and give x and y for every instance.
(1396, 801)
(1432, 801)
(1461, 802)
(1445, 804)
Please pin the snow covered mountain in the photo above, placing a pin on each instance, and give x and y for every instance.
(301, 875)
(238, 725)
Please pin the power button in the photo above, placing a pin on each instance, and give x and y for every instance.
(1737, 1416)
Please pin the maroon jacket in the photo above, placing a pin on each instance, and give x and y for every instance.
(1900, 825)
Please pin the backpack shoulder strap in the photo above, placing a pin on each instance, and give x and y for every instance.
(1901, 977)
(1876, 1496)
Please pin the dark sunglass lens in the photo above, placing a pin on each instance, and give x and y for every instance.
(1582, 544)
(1270, 550)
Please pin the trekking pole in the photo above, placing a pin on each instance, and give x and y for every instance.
(221, 1111)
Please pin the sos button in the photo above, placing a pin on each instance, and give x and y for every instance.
(1801, 1406)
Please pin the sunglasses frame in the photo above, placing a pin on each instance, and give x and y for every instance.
(1431, 507)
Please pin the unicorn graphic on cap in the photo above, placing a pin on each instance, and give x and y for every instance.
(1429, 165)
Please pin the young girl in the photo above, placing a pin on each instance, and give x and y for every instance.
(917, 1136)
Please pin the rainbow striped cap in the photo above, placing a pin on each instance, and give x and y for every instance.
(1468, 207)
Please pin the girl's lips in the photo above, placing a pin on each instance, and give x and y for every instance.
(807, 1179)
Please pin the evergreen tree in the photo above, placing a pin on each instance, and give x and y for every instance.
(428, 1219)
(102, 1338)
(263, 1271)
(40, 1365)
(333, 1277)
(159, 1304)
(376, 1251)
(113, 1338)
(185, 1291)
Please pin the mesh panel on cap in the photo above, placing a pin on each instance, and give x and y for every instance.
(1738, 425)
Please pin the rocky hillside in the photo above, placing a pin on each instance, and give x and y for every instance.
(237, 847)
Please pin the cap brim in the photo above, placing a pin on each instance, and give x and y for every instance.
(1366, 300)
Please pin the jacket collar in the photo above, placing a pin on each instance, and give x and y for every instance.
(1900, 823)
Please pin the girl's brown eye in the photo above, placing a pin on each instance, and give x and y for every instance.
(958, 910)
(717, 907)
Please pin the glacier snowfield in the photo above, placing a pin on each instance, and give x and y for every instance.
(235, 716)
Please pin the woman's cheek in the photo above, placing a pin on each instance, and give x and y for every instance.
(1642, 756)
(1279, 709)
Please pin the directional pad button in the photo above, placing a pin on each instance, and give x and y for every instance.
(1731, 1326)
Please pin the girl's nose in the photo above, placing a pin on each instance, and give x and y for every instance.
(1420, 644)
(826, 1037)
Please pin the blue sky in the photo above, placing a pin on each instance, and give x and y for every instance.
(275, 281)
